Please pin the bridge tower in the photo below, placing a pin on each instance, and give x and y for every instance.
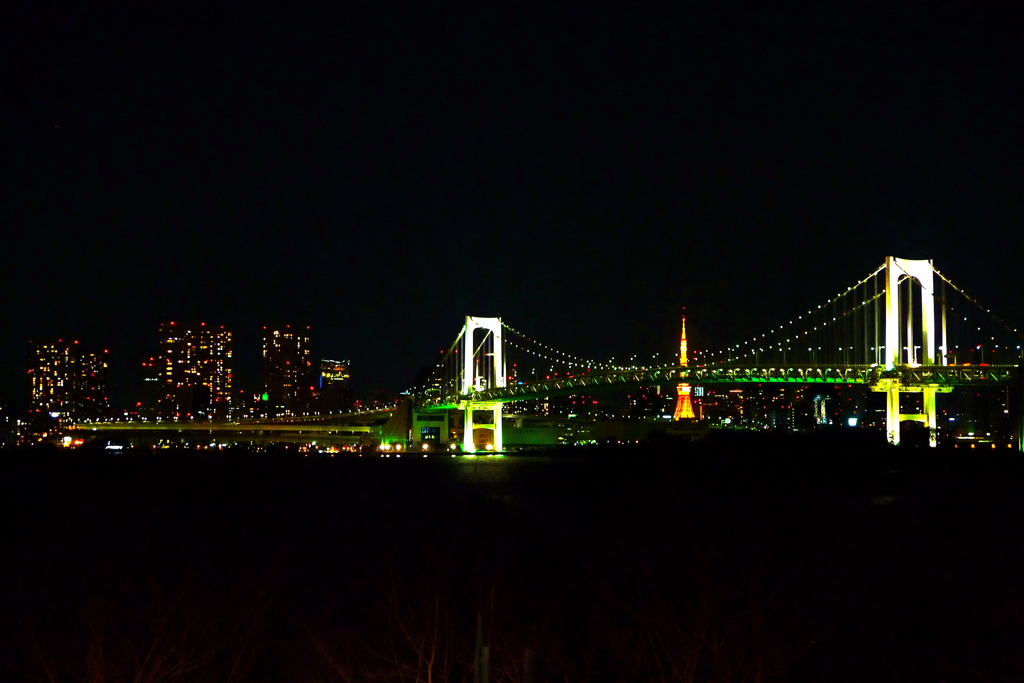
(684, 408)
(900, 350)
(473, 380)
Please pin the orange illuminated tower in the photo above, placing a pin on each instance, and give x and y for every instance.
(684, 409)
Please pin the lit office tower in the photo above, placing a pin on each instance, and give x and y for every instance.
(94, 401)
(68, 382)
(152, 389)
(335, 376)
(196, 372)
(684, 409)
(286, 370)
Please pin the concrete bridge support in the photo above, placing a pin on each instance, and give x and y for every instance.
(900, 349)
(493, 366)
(468, 442)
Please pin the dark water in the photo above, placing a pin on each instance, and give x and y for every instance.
(740, 560)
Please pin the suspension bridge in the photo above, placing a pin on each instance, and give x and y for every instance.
(905, 328)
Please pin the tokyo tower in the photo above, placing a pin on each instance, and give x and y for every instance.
(684, 409)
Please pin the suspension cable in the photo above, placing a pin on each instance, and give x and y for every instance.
(1003, 323)
(812, 313)
(568, 357)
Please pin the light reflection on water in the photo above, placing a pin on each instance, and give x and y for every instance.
(497, 471)
(508, 480)
(534, 479)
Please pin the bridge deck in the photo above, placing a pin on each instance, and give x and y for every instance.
(918, 376)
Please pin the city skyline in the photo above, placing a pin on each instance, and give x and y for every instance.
(379, 174)
(145, 384)
(896, 332)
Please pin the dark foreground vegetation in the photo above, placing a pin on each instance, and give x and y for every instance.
(739, 560)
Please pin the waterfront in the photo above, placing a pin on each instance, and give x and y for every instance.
(785, 559)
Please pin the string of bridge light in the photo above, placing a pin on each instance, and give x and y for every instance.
(754, 351)
(972, 346)
(540, 354)
(779, 346)
(728, 351)
(440, 370)
(602, 366)
(564, 358)
(575, 361)
(568, 358)
(949, 306)
(980, 307)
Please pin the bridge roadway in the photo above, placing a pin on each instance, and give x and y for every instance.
(352, 424)
(943, 377)
(276, 429)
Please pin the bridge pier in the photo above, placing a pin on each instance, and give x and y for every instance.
(892, 416)
(468, 426)
(1020, 407)
(499, 438)
(468, 445)
(931, 417)
(893, 387)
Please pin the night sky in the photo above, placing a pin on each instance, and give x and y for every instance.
(379, 171)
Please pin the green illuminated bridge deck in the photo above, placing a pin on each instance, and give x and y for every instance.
(909, 377)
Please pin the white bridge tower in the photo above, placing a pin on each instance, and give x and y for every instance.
(473, 380)
(900, 350)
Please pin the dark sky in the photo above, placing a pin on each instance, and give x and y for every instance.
(379, 171)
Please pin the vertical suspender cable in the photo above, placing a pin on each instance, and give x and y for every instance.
(908, 313)
(878, 315)
(863, 357)
(945, 341)
(851, 327)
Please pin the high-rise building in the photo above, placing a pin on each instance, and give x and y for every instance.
(287, 371)
(195, 376)
(152, 389)
(335, 390)
(68, 383)
(8, 426)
